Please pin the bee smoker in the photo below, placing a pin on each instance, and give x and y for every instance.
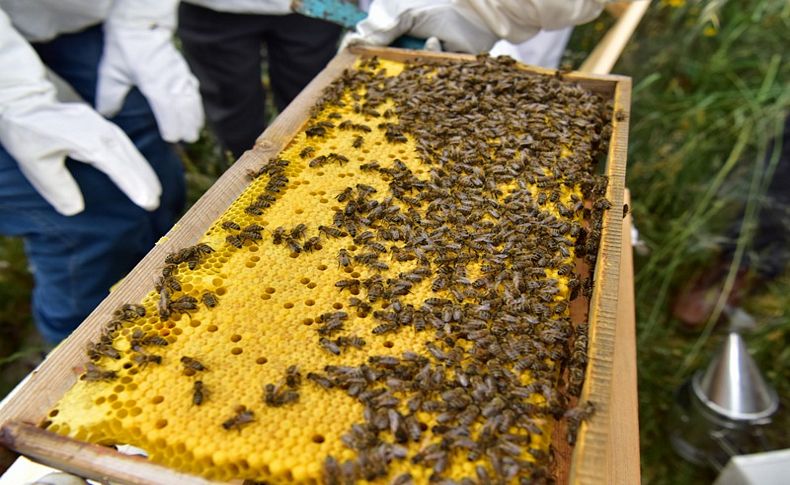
(723, 411)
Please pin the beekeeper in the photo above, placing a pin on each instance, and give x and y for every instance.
(90, 185)
(472, 26)
(223, 41)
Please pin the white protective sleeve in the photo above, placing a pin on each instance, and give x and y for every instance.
(518, 20)
(469, 25)
(43, 20)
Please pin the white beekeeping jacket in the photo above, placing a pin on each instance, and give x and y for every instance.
(43, 20)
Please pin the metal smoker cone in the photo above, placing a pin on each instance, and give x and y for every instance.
(733, 386)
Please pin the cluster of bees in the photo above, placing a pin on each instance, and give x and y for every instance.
(493, 228)
(494, 250)
(139, 342)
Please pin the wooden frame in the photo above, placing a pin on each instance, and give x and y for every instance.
(29, 404)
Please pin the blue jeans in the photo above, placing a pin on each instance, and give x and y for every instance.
(76, 259)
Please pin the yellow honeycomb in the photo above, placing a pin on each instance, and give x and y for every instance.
(268, 305)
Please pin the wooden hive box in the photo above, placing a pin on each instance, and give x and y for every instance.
(604, 452)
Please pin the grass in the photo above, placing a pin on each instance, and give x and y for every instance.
(710, 91)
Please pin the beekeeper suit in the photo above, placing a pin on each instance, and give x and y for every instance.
(91, 185)
(222, 41)
(469, 25)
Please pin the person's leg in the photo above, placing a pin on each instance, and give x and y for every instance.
(299, 48)
(224, 52)
(76, 259)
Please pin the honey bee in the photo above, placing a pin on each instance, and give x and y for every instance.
(278, 235)
(336, 157)
(575, 417)
(376, 246)
(350, 284)
(109, 329)
(95, 373)
(235, 241)
(199, 394)
(293, 378)
(321, 380)
(149, 340)
(241, 419)
(384, 328)
(329, 346)
(169, 269)
(358, 141)
(343, 258)
(333, 474)
(164, 304)
(183, 304)
(276, 396)
(403, 478)
(345, 194)
(169, 282)
(230, 226)
(143, 359)
(315, 131)
(311, 244)
(602, 204)
(306, 152)
(96, 351)
(193, 364)
(318, 161)
(329, 231)
(298, 231)
(129, 312)
(253, 211)
(209, 299)
(360, 305)
(370, 167)
(293, 245)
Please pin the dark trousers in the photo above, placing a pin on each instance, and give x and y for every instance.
(75, 260)
(224, 51)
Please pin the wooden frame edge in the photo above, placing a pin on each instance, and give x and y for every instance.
(89, 460)
(588, 464)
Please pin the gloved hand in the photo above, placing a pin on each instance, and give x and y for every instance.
(42, 137)
(469, 25)
(40, 133)
(456, 26)
(139, 51)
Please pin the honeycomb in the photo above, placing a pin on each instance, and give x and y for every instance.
(386, 302)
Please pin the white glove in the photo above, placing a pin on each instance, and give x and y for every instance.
(139, 51)
(456, 26)
(469, 25)
(40, 133)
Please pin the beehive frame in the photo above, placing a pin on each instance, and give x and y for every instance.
(30, 402)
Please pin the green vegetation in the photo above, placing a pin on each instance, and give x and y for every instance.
(711, 90)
